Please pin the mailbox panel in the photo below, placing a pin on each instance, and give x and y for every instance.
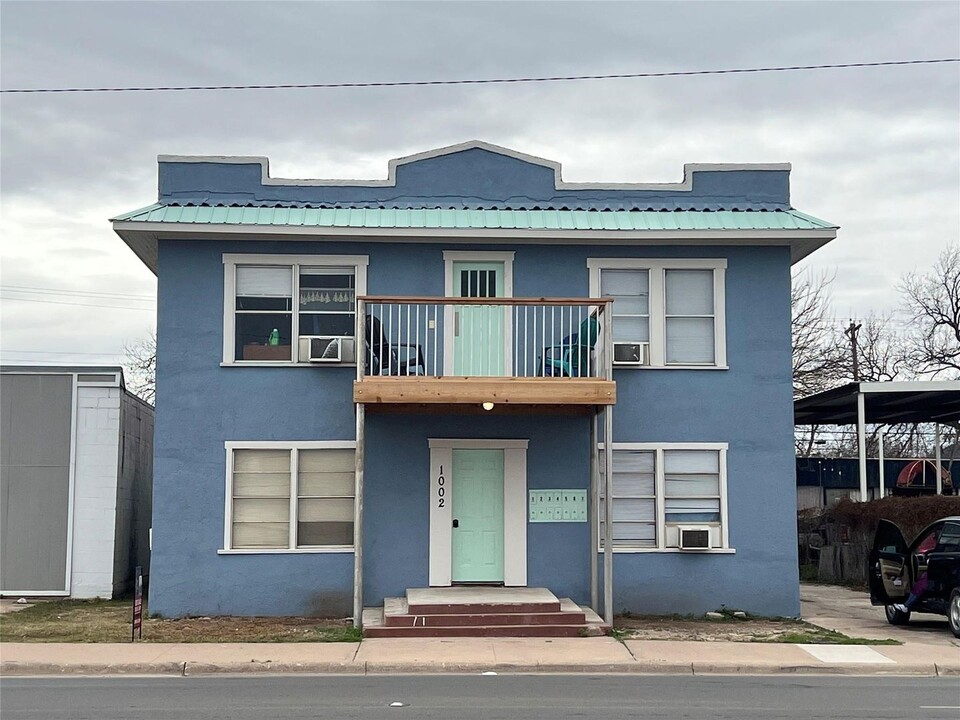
(557, 505)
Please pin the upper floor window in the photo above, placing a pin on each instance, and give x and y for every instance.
(666, 312)
(274, 305)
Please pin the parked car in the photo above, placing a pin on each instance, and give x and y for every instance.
(922, 576)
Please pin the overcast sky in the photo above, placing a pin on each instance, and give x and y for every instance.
(876, 151)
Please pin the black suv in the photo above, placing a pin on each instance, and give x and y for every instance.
(922, 576)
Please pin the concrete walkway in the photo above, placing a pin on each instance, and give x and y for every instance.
(928, 649)
(476, 655)
(850, 612)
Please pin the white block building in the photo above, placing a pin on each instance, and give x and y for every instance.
(76, 471)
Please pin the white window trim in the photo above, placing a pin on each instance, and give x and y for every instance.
(230, 446)
(657, 305)
(660, 485)
(230, 262)
(451, 256)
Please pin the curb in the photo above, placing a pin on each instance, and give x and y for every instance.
(13, 668)
(189, 669)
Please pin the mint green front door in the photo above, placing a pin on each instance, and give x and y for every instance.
(477, 516)
(478, 344)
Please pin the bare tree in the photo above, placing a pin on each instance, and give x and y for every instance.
(882, 357)
(933, 302)
(881, 350)
(140, 366)
(817, 354)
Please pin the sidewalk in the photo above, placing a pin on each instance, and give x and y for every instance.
(476, 655)
(929, 649)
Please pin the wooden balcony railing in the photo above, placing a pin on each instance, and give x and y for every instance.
(453, 349)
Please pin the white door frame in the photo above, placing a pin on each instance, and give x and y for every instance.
(514, 507)
(449, 258)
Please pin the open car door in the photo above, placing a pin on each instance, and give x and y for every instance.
(888, 568)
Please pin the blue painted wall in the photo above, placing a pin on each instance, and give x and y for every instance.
(397, 509)
(201, 405)
(473, 178)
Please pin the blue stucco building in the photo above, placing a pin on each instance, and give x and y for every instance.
(369, 386)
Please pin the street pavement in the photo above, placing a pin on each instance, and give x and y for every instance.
(472, 697)
(928, 649)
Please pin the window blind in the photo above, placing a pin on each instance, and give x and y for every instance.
(689, 316)
(264, 281)
(261, 499)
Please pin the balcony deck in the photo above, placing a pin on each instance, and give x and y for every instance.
(467, 394)
(524, 355)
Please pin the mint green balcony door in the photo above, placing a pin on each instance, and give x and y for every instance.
(478, 343)
(477, 516)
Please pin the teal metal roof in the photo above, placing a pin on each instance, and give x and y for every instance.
(451, 219)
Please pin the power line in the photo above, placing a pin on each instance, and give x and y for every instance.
(479, 81)
(75, 304)
(51, 363)
(58, 352)
(58, 291)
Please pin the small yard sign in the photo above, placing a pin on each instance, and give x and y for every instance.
(136, 629)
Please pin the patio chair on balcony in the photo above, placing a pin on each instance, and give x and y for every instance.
(571, 357)
(383, 358)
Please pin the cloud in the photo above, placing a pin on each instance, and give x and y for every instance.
(875, 150)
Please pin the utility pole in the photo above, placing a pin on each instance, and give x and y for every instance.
(851, 332)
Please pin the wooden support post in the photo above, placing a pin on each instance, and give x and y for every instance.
(594, 514)
(608, 515)
(358, 523)
(358, 477)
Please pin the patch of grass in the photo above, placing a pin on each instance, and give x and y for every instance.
(93, 621)
(809, 573)
(69, 621)
(813, 635)
(619, 634)
(730, 628)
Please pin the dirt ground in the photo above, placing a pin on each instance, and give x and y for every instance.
(109, 621)
(726, 629)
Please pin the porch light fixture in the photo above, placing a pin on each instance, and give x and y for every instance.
(488, 405)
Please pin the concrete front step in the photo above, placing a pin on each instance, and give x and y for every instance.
(477, 631)
(480, 600)
(478, 615)
(396, 613)
(487, 619)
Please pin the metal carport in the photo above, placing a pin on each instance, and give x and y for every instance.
(859, 403)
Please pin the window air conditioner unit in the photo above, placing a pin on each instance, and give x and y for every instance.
(330, 350)
(631, 353)
(693, 537)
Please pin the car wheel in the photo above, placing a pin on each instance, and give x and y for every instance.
(953, 612)
(896, 617)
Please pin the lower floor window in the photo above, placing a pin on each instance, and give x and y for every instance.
(658, 490)
(283, 498)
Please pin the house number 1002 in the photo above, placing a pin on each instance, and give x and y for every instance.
(440, 490)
